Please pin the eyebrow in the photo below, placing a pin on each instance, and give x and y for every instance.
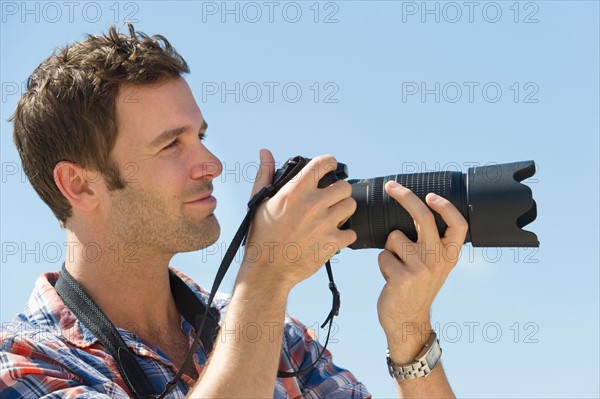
(170, 134)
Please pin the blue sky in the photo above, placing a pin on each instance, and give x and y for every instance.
(387, 87)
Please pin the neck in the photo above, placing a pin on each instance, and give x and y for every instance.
(130, 284)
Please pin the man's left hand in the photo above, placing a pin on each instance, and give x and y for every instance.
(415, 272)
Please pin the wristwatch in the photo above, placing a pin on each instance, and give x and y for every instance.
(423, 365)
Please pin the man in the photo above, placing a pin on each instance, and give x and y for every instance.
(109, 103)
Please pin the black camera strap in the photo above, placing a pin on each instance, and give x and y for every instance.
(90, 315)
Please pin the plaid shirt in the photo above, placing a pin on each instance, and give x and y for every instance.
(46, 352)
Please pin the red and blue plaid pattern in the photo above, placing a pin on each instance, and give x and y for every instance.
(46, 352)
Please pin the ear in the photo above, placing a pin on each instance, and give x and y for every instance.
(78, 185)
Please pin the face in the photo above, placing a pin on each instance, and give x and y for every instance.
(166, 205)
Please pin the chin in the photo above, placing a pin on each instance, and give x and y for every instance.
(211, 234)
(207, 242)
(197, 238)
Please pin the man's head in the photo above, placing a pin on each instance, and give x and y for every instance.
(86, 131)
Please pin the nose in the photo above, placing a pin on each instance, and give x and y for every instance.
(205, 164)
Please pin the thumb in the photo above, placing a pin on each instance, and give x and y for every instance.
(264, 175)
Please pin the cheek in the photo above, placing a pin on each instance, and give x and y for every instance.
(168, 178)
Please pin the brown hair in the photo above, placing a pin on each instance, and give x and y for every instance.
(68, 110)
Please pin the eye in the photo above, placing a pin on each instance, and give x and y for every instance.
(201, 136)
(172, 144)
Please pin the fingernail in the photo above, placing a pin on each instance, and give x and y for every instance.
(393, 184)
(261, 154)
(433, 197)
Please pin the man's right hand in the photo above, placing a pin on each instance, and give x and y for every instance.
(294, 233)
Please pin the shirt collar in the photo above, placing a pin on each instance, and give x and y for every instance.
(46, 310)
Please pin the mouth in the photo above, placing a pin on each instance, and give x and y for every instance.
(202, 199)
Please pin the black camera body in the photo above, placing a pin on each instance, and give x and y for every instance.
(491, 198)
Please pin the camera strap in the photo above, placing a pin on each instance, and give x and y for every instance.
(91, 315)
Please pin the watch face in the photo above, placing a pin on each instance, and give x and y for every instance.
(434, 355)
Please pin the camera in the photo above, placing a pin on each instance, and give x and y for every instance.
(491, 198)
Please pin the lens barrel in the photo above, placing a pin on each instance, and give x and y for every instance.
(491, 198)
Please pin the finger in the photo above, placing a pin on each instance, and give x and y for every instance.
(424, 220)
(314, 171)
(264, 175)
(334, 244)
(389, 265)
(338, 191)
(346, 237)
(400, 245)
(457, 225)
(342, 211)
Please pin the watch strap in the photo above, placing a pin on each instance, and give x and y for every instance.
(423, 365)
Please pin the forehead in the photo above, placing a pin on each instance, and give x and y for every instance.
(144, 111)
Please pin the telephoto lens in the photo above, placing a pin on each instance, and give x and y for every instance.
(491, 198)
